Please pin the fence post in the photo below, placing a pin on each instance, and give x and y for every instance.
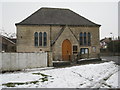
(50, 59)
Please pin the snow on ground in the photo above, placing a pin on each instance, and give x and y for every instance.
(113, 80)
(103, 75)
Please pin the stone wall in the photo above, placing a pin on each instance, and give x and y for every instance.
(57, 48)
(19, 61)
(94, 37)
(67, 34)
(25, 39)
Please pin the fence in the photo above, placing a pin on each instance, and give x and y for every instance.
(18, 61)
(59, 57)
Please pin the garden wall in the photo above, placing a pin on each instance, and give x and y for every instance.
(19, 61)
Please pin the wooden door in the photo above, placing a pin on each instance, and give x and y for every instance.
(66, 50)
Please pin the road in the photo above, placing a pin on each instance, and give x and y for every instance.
(116, 59)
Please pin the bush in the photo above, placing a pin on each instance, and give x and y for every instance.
(114, 46)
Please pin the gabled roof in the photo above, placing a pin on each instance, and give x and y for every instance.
(58, 35)
(53, 42)
(56, 16)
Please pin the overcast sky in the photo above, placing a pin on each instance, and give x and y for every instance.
(103, 13)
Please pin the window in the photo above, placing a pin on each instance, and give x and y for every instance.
(40, 39)
(81, 39)
(36, 39)
(84, 51)
(85, 38)
(45, 39)
(75, 49)
(89, 39)
(94, 49)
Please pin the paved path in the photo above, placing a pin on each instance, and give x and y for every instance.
(116, 59)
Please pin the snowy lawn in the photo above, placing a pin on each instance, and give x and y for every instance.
(103, 75)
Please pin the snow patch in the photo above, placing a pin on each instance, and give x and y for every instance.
(103, 75)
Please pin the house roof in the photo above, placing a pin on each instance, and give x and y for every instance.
(12, 39)
(56, 16)
(6, 38)
(107, 40)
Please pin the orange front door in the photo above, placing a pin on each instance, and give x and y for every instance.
(66, 50)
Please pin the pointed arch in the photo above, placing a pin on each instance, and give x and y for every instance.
(85, 40)
(89, 38)
(66, 50)
(45, 38)
(40, 39)
(81, 38)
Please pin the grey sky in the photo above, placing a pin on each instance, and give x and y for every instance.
(119, 18)
(104, 13)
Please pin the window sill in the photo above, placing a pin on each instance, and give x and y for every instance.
(40, 46)
(85, 54)
(85, 45)
(75, 52)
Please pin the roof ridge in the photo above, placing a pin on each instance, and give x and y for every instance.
(54, 8)
(41, 9)
(60, 16)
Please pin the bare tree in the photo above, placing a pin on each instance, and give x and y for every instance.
(9, 35)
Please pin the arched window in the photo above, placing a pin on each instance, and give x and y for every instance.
(40, 39)
(45, 39)
(81, 39)
(89, 39)
(36, 39)
(85, 38)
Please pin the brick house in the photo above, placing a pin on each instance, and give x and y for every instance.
(62, 32)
